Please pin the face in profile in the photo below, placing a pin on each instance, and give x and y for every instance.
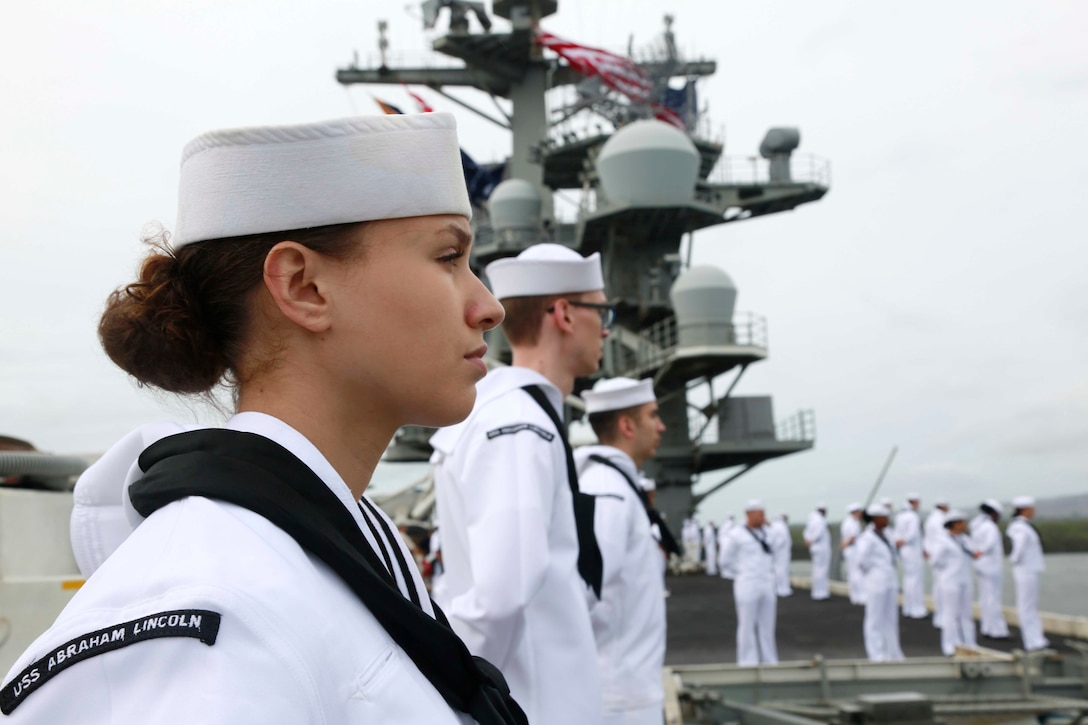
(411, 316)
(648, 429)
(589, 333)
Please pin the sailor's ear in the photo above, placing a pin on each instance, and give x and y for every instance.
(626, 425)
(294, 276)
(561, 314)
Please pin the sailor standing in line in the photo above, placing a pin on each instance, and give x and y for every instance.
(989, 569)
(953, 554)
(691, 536)
(748, 551)
(932, 532)
(877, 557)
(818, 540)
(849, 531)
(908, 539)
(710, 546)
(517, 539)
(1026, 558)
(240, 574)
(783, 552)
(725, 570)
(629, 619)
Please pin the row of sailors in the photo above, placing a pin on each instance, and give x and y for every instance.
(954, 549)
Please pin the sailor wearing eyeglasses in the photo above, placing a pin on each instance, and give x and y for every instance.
(517, 533)
(749, 550)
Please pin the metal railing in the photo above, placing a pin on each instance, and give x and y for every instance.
(652, 346)
(752, 170)
(801, 427)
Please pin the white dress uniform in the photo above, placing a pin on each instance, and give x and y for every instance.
(754, 592)
(783, 553)
(817, 532)
(629, 619)
(932, 530)
(876, 557)
(294, 643)
(710, 546)
(989, 573)
(951, 560)
(691, 538)
(509, 544)
(908, 529)
(850, 528)
(1026, 558)
(725, 568)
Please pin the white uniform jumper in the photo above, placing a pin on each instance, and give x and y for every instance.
(817, 532)
(850, 529)
(710, 546)
(908, 529)
(725, 568)
(294, 644)
(951, 558)
(1026, 558)
(876, 558)
(748, 552)
(629, 619)
(932, 530)
(989, 572)
(783, 552)
(509, 544)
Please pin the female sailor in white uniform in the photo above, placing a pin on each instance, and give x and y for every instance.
(849, 531)
(1026, 558)
(989, 569)
(951, 558)
(876, 559)
(239, 574)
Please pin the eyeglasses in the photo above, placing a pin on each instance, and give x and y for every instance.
(607, 312)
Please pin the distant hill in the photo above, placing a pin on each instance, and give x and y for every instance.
(1063, 507)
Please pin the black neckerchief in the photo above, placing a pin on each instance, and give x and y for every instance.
(1027, 521)
(667, 540)
(959, 541)
(253, 472)
(880, 535)
(590, 563)
(761, 539)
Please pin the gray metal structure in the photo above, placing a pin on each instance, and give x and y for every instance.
(643, 185)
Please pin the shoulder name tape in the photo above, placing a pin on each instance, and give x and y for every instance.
(517, 428)
(195, 623)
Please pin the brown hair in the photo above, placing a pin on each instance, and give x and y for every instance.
(524, 315)
(606, 424)
(182, 325)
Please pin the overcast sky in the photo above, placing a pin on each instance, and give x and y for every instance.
(934, 299)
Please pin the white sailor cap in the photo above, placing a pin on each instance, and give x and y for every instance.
(753, 505)
(1023, 502)
(994, 504)
(887, 501)
(940, 502)
(281, 178)
(878, 509)
(953, 516)
(913, 497)
(854, 506)
(618, 394)
(545, 269)
(821, 506)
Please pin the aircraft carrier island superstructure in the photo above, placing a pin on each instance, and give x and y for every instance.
(626, 136)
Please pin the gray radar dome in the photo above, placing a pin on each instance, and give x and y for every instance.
(649, 163)
(703, 298)
(515, 204)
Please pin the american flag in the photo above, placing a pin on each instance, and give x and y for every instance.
(619, 73)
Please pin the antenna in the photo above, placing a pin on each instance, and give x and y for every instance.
(383, 42)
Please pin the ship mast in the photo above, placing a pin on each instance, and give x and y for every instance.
(674, 324)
